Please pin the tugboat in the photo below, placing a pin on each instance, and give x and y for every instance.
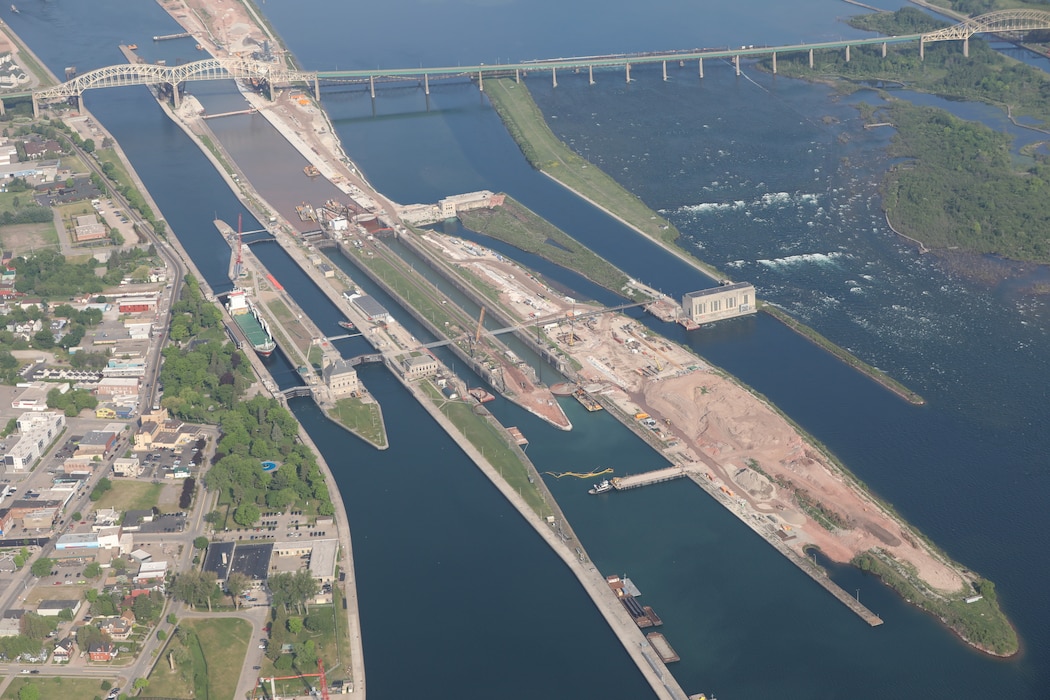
(601, 487)
(347, 325)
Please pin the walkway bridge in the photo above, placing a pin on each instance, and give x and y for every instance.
(273, 74)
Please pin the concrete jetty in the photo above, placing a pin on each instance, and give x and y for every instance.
(657, 476)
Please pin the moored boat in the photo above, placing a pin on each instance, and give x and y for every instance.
(347, 325)
(601, 487)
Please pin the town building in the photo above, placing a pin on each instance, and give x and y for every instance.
(138, 304)
(218, 559)
(371, 308)
(341, 378)
(127, 467)
(118, 386)
(36, 432)
(419, 366)
(95, 442)
(77, 541)
(51, 608)
(88, 228)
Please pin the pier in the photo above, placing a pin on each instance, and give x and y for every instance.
(168, 37)
(251, 110)
(658, 476)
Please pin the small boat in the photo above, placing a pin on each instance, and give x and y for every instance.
(133, 47)
(311, 171)
(601, 487)
(14, 9)
(347, 325)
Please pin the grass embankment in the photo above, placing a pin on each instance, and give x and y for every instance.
(58, 687)
(208, 655)
(548, 154)
(364, 419)
(522, 228)
(493, 446)
(846, 356)
(981, 623)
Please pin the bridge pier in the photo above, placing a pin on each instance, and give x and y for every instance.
(847, 53)
(269, 89)
(628, 66)
(736, 63)
(774, 63)
(372, 86)
(3, 110)
(317, 89)
(922, 48)
(426, 84)
(80, 101)
(590, 75)
(554, 77)
(701, 67)
(665, 71)
(811, 59)
(481, 82)
(966, 47)
(517, 75)
(36, 107)
(884, 49)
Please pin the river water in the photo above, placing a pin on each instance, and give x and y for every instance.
(771, 180)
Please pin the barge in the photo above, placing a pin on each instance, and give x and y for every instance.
(664, 650)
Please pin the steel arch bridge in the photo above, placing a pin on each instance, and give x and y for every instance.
(1000, 22)
(151, 74)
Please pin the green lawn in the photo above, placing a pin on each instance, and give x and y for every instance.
(58, 687)
(364, 419)
(131, 495)
(211, 660)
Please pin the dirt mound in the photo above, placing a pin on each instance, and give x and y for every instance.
(756, 485)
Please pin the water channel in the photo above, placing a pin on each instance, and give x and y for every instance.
(455, 589)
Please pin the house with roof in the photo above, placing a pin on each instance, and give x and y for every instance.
(102, 651)
(64, 650)
(118, 628)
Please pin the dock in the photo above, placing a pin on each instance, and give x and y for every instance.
(633, 481)
(519, 439)
(167, 37)
(587, 400)
(664, 650)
